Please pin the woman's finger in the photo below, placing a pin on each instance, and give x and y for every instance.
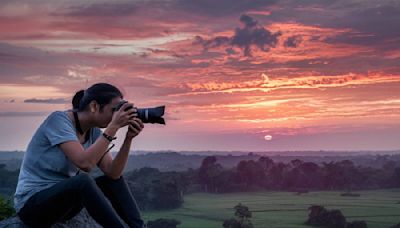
(135, 124)
(132, 115)
(131, 128)
(132, 110)
(124, 106)
(140, 122)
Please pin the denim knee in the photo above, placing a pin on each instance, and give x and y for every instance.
(84, 179)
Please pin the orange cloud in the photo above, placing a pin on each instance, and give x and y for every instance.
(267, 84)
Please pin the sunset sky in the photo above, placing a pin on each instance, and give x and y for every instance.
(235, 75)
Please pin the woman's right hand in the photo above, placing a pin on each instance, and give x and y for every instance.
(121, 118)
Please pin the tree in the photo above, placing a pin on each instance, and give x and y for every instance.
(250, 173)
(155, 190)
(266, 163)
(242, 220)
(319, 216)
(242, 212)
(164, 195)
(209, 172)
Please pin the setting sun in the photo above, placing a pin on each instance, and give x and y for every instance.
(268, 137)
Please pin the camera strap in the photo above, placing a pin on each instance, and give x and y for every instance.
(77, 123)
(78, 126)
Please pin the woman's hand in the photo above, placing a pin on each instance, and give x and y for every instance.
(122, 118)
(135, 127)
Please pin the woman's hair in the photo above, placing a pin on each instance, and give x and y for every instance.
(102, 93)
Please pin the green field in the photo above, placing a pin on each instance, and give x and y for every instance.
(379, 208)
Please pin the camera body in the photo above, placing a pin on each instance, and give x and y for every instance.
(146, 115)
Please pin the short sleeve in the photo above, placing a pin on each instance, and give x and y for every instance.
(58, 128)
(96, 133)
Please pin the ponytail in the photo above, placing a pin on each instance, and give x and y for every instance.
(77, 99)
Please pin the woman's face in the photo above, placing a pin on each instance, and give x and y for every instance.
(105, 116)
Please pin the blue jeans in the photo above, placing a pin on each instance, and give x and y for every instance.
(66, 199)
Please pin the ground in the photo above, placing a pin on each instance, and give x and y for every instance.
(379, 208)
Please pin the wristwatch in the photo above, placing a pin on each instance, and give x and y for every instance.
(109, 137)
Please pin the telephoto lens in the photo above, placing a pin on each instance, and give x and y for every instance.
(146, 115)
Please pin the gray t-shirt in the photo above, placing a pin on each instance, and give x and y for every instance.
(44, 163)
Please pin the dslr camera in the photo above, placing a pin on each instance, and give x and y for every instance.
(146, 115)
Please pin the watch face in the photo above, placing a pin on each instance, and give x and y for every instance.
(108, 137)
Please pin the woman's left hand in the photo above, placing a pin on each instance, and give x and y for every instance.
(135, 127)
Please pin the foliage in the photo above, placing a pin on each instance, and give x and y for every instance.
(8, 180)
(155, 190)
(163, 223)
(241, 220)
(6, 209)
(319, 216)
(297, 176)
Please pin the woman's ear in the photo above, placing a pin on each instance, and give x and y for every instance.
(94, 106)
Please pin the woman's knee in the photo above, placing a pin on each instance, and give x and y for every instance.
(84, 180)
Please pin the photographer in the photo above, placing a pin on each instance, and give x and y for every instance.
(54, 184)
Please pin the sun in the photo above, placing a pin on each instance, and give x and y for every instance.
(268, 137)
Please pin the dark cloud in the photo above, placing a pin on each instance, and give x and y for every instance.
(212, 43)
(46, 101)
(103, 10)
(375, 26)
(381, 21)
(371, 23)
(248, 21)
(9, 101)
(246, 37)
(292, 41)
(22, 114)
(221, 8)
(252, 34)
(17, 64)
(230, 51)
(175, 54)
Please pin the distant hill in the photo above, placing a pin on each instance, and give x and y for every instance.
(8, 155)
(183, 160)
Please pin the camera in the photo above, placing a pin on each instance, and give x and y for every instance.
(146, 115)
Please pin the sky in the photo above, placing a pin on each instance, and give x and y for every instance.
(234, 75)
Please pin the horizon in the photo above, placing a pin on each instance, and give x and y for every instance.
(256, 153)
(262, 76)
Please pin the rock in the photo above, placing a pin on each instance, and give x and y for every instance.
(83, 219)
(396, 226)
(357, 224)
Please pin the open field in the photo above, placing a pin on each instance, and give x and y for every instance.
(379, 208)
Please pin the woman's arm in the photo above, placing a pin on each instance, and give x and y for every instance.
(114, 168)
(87, 159)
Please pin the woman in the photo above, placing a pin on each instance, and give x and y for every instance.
(54, 184)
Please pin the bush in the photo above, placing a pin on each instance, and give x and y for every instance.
(242, 220)
(6, 209)
(163, 223)
(319, 216)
